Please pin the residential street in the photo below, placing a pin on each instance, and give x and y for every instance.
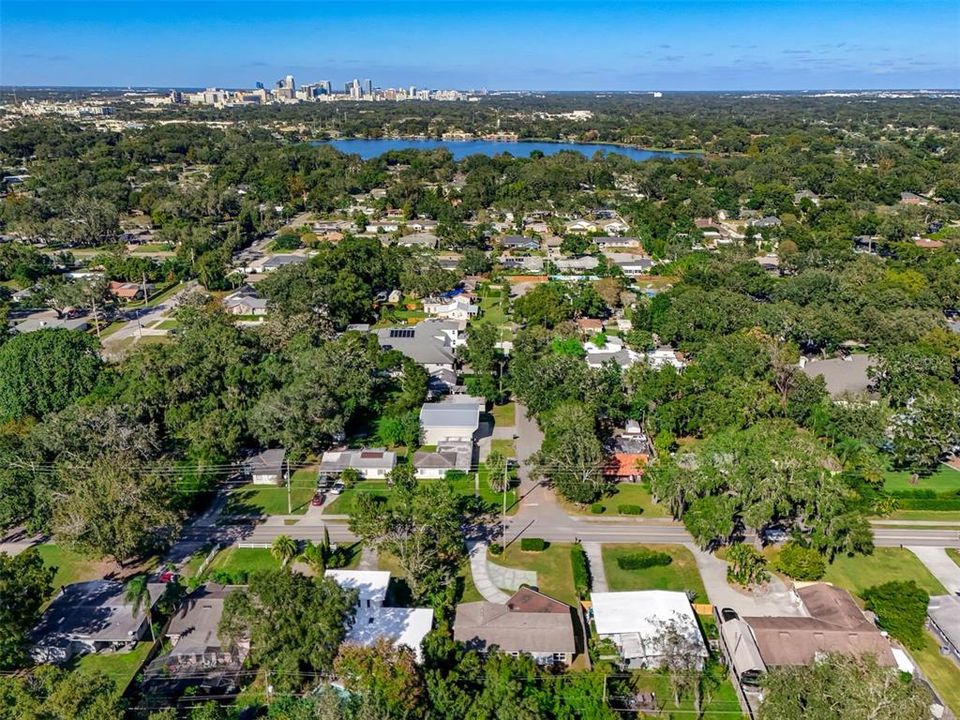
(148, 316)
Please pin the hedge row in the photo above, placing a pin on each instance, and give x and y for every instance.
(533, 544)
(630, 509)
(643, 559)
(924, 494)
(929, 504)
(581, 570)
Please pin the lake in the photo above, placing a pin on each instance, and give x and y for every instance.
(464, 148)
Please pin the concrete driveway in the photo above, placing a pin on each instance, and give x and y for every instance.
(941, 565)
(774, 598)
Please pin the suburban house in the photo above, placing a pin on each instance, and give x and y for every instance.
(194, 636)
(275, 262)
(519, 242)
(909, 198)
(374, 620)
(245, 301)
(371, 463)
(266, 468)
(421, 239)
(577, 264)
(943, 611)
(456, 418)
(89, 617)
(455, 308)
(613, 242)
(630, 264)
(431, 343)
(806, 195)
(581, 227)
(663, 356)
(613, 350)
(628, 453)
(449, 455)
(633, 621)
(766, 222)
(613, 227)
(832, 622)
(126, 291)
(529, 622)
(422, 225)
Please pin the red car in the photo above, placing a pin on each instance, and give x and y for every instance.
(317, 500)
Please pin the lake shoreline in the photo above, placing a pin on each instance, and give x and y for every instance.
(490, 147)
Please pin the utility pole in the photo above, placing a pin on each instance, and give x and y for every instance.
(96, 318)
(289, 501)
(503, 514)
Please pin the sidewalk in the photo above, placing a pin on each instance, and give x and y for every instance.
(481, 575)
(598, 576)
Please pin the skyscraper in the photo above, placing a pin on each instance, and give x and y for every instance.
(355, 92)
(368, 87)
(325, 87)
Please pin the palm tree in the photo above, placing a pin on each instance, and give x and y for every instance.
(315, 556)
(136, 593)
(284, 549)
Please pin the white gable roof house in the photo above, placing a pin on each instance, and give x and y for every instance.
(457, 308)
(374, 620)
(634, 622)
(456, 418)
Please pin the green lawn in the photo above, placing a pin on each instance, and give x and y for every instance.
(722, 703)
(681, 575)
(504, 447)
(946, 516)
(884, 565)
(504, 415)
(954, 555)
(120, 667)
(253, 499)
(235, 559)
(344, 503)
(945, 479)
(493, 310)
(553, 568)
(71, 567)
(625, 494)
(167, 324)
(941, 670)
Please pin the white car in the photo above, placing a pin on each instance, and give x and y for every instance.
(338, 487)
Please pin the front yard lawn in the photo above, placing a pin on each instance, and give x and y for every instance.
(249, 560)
(345, 503)
(504, 415)
(954, 555)
(253, 499)
(680, 575)
(504, 447)
(884, 565)
(121, 667)
(71, 567)
(944, 479)
(626, 494)
(553, 568)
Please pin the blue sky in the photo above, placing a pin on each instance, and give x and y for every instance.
(524, 44)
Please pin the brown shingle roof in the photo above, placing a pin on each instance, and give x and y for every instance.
(529, 622)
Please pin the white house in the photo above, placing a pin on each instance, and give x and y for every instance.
(634, 622)
(266, 468)
(449, 455)
(374, 620)
(663, 356)
(371, 463)
(457, 308)
(457, 418)
(613, 349)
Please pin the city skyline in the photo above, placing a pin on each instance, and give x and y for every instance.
(525, 46)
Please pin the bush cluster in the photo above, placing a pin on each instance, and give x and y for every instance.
(801, 563)
(901, 609)
(643, 559)
(630, 509)
(597, 508)
(581, 570)
(533, 544)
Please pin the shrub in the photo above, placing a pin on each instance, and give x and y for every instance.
(643, 559)
(942, 504)
(597, 508)
(496, 549)
(747, 565)
(533, 544)
(901, 609)
(581, 570)
(630, 509)
(801, 563)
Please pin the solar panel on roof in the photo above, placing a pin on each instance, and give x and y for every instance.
(401, 333)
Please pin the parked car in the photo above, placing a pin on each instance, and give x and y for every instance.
(774, 534)
(325, 482)
(317, 500)
(338, 487)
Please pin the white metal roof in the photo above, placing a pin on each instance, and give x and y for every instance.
(372, 584)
